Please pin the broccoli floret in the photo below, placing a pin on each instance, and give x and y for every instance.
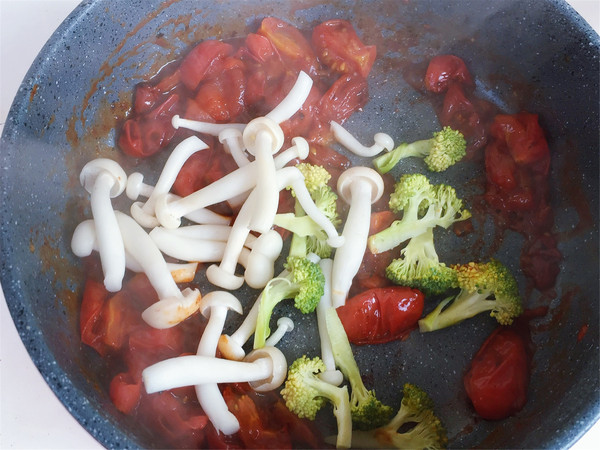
(483, 287)
(439, 152)
(367, 411)
(414, 426)
(304, 282)
(419, 267)
(305, 394)
(308, 237)
(423, 206)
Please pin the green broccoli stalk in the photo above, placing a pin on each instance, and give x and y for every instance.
(308, 237)
(423, 206)
(419, 267)
(305, 394)
(439, 152)
(483, 287)
(304, 282)
(367, 411)
(414, 426)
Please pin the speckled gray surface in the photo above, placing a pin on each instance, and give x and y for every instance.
(534, 55)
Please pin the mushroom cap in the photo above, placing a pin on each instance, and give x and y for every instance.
(220, 277)
(278, 364)
(230, 348)
(219, 299)
(95, 167)
(302, 147)
(385, 140)
(262, 124)
(285, 322)
(363, 175)
(135, 182)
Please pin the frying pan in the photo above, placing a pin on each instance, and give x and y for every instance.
(538, 56)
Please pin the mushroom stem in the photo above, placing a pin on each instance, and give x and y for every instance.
(144, 214)
(204, 127)
(382, 142)
(294, 99)
(284, 324)
(331, 375)
(232, 141)
(215, 305)
(266, 367)
(136, 188)
(359, 187)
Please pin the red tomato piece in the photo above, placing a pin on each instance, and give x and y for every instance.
(201, 61)
(460, 113)
(444, 70)
(498, 377)
(500, 167)
(144, 135)
(346, 95)
(339, 47)
(90, 314)
(222, 96)
(291, 45)
(523, 136)
(382, 314)
(125, 393)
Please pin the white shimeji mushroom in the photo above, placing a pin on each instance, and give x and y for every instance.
(231, 185)
(84, 242)
(105, 179)
(215, 306)
(223, 275)
(144, 213)
(359, 187)
(137, 188)
(264, 369)
(173, 305)
(284, 325)
(331, 374)
(383, 142)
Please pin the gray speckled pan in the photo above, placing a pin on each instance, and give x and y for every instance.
(534, 55)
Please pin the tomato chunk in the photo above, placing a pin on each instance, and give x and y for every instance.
(382, 314)
(444, 70)
(339, 47)
(498, 377)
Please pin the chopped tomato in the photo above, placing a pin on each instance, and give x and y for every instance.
(498, 377)
(222, 96)
(90, 314)
(444, 70)
(339, 47)
(523, 136)
(382, 314)
(346, 95)
(125, 393)
(202, 60)
(146, 134)
(292, 46)
(460, 113)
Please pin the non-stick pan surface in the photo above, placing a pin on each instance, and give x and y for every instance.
(535, 55)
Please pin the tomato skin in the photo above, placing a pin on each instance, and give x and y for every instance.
(201, 61)
(293, 48)
(523, 136)
(382, 314)
(498, 377)
(444, 70)
(90, 314)
(339, 47)
(347, 94)
(146, 134)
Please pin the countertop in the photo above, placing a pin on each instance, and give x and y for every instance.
(31, 417)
